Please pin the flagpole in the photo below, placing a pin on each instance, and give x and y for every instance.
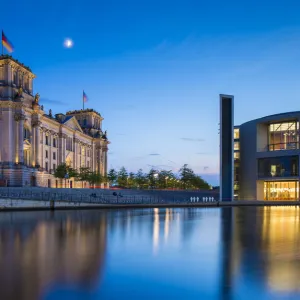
(83, 100)
(2, 42)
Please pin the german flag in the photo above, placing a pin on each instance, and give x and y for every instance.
(6, 43)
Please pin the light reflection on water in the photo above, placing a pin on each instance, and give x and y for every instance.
(193, 253)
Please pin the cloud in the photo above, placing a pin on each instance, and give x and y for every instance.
(191, 139)
(51, 101)
(205, 168)
(154, 154)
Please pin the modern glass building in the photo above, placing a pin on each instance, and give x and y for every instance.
(266, 158)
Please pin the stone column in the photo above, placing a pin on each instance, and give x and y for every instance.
(36, 142)
(42, 150)
(19, 118)
(99, 159)
(50, 150)
(75, 153)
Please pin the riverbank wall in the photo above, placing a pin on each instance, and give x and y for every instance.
(46, 198)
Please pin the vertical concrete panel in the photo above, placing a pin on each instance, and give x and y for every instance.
(248, 161)
(260, 190)
(226, 148)
(262, 137)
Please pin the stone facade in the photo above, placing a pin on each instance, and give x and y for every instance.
(33, 143)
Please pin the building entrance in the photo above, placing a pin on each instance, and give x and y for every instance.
(281, 190)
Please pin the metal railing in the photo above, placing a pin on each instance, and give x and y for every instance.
(93, 198)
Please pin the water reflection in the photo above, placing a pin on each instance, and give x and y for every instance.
(240, 253)
(65, 247)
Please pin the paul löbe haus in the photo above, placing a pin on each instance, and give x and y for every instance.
(266, 158)
(33, 143)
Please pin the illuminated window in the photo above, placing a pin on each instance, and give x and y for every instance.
(283, 136)
(281, 190)
(236, 146)
(236, 133)
(236, 155)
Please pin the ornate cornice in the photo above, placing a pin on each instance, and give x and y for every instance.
(62, 135)
(19, 117)
(36, 123)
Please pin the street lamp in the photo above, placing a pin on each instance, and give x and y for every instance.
(166, 181)
(66, 177)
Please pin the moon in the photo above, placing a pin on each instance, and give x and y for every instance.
(68, 43)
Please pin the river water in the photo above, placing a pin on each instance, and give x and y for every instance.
(192, 253)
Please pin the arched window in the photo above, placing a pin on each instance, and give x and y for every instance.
(84, 122)
(26, 133)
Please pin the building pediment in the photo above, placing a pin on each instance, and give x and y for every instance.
(73, 124)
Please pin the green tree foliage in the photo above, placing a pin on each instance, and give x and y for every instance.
(152, 178)
(112, 176)
(140, 179)
(95, 178)
(122, 177)
(190, 180)
(63, 169)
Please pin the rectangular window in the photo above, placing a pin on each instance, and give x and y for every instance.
(54, 142)
(54, 167)
(285, 166)
(283, 136)
(46, 154)
(236, 146)
(236, 155)
(54, 155)
(46, 167)
(47, 140)
(236, 133)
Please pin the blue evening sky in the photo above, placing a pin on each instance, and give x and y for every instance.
(154, 69)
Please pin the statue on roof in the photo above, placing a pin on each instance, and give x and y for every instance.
(50, 113)
(37, 98)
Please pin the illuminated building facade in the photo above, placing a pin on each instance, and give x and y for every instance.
(266, 153)
(33, 143)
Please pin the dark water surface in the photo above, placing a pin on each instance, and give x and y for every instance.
(193, 253)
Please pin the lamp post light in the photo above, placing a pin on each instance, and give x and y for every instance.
(66, 177)
(166, 178)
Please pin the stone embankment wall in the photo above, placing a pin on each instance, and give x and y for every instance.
(35, 198)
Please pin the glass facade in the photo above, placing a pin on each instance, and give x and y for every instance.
(283, 136)
(281, 190)
(284, 166)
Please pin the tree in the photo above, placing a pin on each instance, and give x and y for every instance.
(112, 176)
(131, 183)
(140, 179)
(186, 176)
(122, 177)
(165, 178)
(152, 178)
(63, 171)
(84, 174)
(95, 178)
